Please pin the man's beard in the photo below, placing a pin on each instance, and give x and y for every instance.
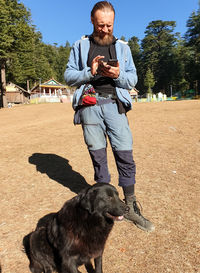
(105, 40)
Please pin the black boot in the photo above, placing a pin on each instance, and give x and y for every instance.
(135, 215)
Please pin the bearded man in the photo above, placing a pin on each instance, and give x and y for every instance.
(101, 101)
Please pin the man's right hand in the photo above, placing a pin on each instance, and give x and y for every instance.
(95, 64)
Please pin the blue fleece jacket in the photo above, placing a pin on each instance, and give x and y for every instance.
(78, 73)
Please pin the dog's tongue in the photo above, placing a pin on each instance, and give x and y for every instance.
(115, 218)
(120, 218)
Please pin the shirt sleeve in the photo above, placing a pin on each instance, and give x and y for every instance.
(75, 74)
(128, 76)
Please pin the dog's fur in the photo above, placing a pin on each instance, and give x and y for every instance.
(75, 234)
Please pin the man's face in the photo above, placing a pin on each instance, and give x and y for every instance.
(103, 22)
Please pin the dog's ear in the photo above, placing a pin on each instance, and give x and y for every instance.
(88, 199)
(85, 203)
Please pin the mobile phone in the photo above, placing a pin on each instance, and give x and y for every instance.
(112, 62)
(101, 64)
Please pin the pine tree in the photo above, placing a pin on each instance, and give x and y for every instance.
(157, 52)
(192, 38)
(134, 45)
(15, 33)
(149, 81)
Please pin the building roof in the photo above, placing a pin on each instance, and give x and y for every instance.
(52, 83)
(134, 91)
(12, 87)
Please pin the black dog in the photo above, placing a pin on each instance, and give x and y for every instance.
(75, 234)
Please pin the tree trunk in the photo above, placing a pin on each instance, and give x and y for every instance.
(3, 100)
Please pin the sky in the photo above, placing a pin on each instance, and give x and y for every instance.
(68, 20)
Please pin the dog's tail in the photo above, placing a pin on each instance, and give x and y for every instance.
(26, 245)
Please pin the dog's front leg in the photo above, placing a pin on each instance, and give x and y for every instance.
(98, 264)
(69, 267)
(89, 268)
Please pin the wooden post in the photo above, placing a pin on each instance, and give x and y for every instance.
(3, 100)
(27, 84)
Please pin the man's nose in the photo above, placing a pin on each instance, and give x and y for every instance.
(105, 29)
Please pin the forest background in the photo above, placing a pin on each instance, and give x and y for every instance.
(163, 58)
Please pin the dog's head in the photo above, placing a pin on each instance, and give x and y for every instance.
(103, 199)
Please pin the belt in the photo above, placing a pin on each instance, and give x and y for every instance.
(105, 101)
(105, 95)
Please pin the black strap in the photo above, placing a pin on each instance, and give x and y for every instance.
(112, 51)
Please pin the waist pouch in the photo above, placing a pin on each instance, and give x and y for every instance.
(88, 95)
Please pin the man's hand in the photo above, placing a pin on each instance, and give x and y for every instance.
(110, 71)
(95, 64)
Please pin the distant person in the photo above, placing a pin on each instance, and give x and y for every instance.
(102, 100)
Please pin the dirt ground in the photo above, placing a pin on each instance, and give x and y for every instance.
(44, 162)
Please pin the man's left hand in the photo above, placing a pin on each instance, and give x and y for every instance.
(110, 71)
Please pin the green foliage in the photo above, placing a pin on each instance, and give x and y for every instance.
(22, 50)
(149, 80)
(135, 49)
(123, 38)
(162, 58)
(192, 35)
(192, 43)
(134, 45)
(14, 17)
(180, 78)
(157, 52)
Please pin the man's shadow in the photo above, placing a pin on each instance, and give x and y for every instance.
(59, 169)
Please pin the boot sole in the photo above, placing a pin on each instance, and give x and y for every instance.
(140, 227)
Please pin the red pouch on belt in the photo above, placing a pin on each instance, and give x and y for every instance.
(87, 100)
(89, 95)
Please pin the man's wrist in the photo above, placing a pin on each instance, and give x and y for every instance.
(94, 72)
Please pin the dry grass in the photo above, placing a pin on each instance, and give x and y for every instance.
(44, 162)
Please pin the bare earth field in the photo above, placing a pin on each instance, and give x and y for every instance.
(44, 162)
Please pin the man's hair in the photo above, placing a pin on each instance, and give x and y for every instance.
(102, 5)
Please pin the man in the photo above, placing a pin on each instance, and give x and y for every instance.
(87, 69)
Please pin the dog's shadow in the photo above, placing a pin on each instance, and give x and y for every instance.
(59, 169)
